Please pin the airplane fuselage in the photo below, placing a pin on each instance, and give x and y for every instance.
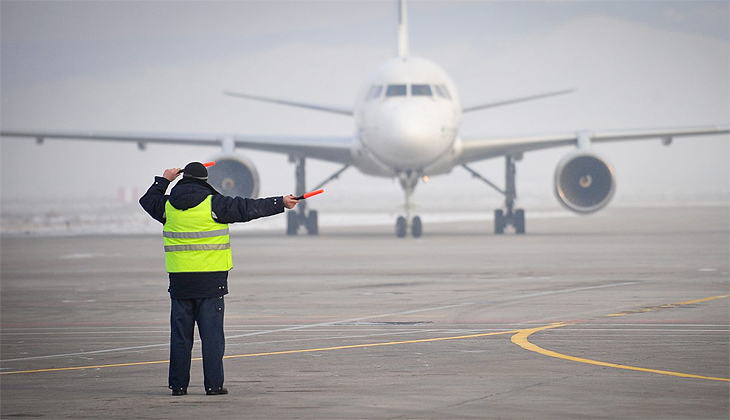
(407, 117)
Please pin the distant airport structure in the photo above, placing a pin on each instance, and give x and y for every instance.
(407, 126)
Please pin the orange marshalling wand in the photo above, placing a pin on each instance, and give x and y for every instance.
(206, 164)
(309, 194)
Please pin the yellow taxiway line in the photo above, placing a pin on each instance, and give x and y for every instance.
(521, 340)
(273, 353)
(519, 337)
(668, 306)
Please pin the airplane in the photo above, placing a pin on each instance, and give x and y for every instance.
(407, 126)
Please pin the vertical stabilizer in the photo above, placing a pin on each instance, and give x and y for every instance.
(402, 29)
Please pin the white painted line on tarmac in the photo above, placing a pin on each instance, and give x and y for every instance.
(299, 327)
(323, 324)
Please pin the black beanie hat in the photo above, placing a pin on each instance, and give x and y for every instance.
(195, 170)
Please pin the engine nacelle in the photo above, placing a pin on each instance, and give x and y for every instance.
(584, 182)
(234, 176)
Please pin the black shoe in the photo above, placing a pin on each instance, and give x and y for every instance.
(219, 391)
(179, 392)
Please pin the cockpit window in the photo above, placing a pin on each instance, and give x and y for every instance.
(396, 90)
(421, 90)
(374, 92)
(442, 91)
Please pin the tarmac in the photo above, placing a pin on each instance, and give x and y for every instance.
(622, 314)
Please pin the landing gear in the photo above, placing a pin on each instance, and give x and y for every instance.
(300, 216)
(499, 221)
(408, 180)
(416, 227)
(401, 227)
(520, 221)
(292, 223)
(509, 216)
(296, 219)
(516, 219)
(312, 223)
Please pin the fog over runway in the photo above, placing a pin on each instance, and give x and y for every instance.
(624, 314)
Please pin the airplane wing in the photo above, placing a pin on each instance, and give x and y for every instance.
(333, 149)
(479, 149)
(326, 108)
(515, 100)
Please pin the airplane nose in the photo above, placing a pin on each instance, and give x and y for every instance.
(411, 135)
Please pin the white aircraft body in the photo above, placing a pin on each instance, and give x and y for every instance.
(407, 120)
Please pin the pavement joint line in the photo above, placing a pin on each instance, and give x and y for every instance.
(295, 328)
(519, 337)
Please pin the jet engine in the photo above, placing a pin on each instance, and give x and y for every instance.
(234, 176)
(584, 182)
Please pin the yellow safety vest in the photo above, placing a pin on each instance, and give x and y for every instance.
(194, 242)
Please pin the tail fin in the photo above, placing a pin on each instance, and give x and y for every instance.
(402, 29)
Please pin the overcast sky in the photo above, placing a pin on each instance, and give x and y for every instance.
(162, 66)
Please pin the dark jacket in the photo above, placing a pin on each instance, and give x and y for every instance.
(188, 193)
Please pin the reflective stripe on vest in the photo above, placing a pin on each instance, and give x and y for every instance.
(202, 247)
(188, 235)
(194, 242)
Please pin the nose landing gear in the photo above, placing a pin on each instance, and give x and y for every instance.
(408, 180)
(401, 227)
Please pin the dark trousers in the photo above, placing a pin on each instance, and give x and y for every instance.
(208, 314)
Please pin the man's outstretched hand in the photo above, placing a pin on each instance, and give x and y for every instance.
(290, 201)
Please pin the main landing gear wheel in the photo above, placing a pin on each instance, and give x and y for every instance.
(520, 221)
(292, 224)
(296, 219)
(312, 223)
(516, 220)
(499, 222)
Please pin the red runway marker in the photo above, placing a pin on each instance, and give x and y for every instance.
(309, 194)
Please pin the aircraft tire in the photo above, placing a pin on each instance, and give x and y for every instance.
(416, 227)
(520, 221)
(312, 223)
(292, 224)
(400, 227)
(499, 222)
